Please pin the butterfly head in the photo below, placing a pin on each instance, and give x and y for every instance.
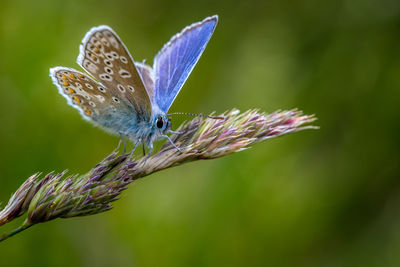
(162, 124)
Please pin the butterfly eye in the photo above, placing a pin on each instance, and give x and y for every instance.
(160, 123)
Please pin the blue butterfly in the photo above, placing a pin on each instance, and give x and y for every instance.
(126, 97)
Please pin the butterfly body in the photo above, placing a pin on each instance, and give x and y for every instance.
(125, 97)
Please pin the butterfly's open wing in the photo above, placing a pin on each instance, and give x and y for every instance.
(96, 103)
(147, 74)
(105, 57)
(175, 61)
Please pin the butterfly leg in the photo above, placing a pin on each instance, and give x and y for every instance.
(144, 149)
(150, 150)
(174, 132)
(136, 144)
(123, 141)
(172, 143)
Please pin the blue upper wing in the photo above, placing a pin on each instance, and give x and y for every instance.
(175, 61)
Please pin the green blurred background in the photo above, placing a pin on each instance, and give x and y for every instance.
(317, 198)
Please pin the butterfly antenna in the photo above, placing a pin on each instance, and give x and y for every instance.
(197, 115)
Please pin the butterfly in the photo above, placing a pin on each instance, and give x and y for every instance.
(129, 98)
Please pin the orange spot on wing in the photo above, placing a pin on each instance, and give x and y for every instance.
(72, 76)
(71, 90)
(77, 100)
(96, 50)
(65, 83)
(81, 75)
(87, 111)
(64, 77)
(93, 57)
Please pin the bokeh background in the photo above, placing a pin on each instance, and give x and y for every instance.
(316, 198)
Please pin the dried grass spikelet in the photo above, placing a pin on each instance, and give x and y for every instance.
(61, 196)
